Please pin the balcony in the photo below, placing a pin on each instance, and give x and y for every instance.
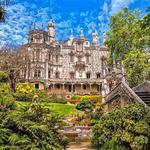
(76, 80)
(80, 65)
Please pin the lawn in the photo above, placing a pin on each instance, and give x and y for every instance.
(62, 109)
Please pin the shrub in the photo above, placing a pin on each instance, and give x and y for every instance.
(6, 102)
(43, 96)
(25, 88)
(84, 105)
(125, 128)
(24, 92)
(75, 97)
(65, 142)
(31, 128)
(23, 97)
(95, 99)
(6, 98)
(5, 88)
(3, 76)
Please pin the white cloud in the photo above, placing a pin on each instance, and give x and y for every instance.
(117, 5)
(22, 15)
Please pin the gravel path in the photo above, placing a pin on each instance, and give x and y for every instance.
(82, 146)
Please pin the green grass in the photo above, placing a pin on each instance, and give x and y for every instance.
(62, 109)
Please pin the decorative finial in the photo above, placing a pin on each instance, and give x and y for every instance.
(34, 26)
(104, 37)
(71, 31)
(42, 26)
(71, 34)
(51, 19)
(81, 32)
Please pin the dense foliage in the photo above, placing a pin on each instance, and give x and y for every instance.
(129, 35)
(137, 70)
(84, 105)
(123, 129)
(6, 98)
(43, 96)
(95, 99)
(3, 76)
(29, 130)
(24, 91)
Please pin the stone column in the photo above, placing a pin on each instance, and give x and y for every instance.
(63, 86)
(90, 87)
(81, 86)
(72, 87)
(53, 87)
(46, 70)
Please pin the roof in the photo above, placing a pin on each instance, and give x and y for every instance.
(123, 87)
(144, 87)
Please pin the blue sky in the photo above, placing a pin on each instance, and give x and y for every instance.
(68, 14)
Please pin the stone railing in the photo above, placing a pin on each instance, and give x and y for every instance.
(76, 80)
(69, 81)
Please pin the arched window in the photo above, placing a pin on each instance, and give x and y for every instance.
(98, 75)
(57, 75)
(37, 55)
(49, 57)
(37, 74)
(49, 74)
(88, 75)
(72, 75)
(31, 39)
(84, 87)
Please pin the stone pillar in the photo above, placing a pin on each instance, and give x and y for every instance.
(63, 85)
(99, 88)
(105, 86)
(46, 70)
(90, 87)
(81, 86)
(72, 87)
(53, 87)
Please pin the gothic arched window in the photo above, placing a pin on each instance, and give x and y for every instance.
(57, 75)
(37, 73)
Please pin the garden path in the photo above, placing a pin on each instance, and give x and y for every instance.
(81, 146)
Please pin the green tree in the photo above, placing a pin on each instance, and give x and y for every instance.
(123, 129)
(29, 129)
(128, 35)
(125, 33)
(145, 23)
(137, 67)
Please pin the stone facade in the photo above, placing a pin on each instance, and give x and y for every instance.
(75, 66)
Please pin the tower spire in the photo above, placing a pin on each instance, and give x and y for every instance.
(71, 34)
(34, 26)
(81, 32)
(42, 26)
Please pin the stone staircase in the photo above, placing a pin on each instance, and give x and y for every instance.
(145, 96)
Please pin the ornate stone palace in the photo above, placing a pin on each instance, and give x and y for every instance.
(75, 66)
